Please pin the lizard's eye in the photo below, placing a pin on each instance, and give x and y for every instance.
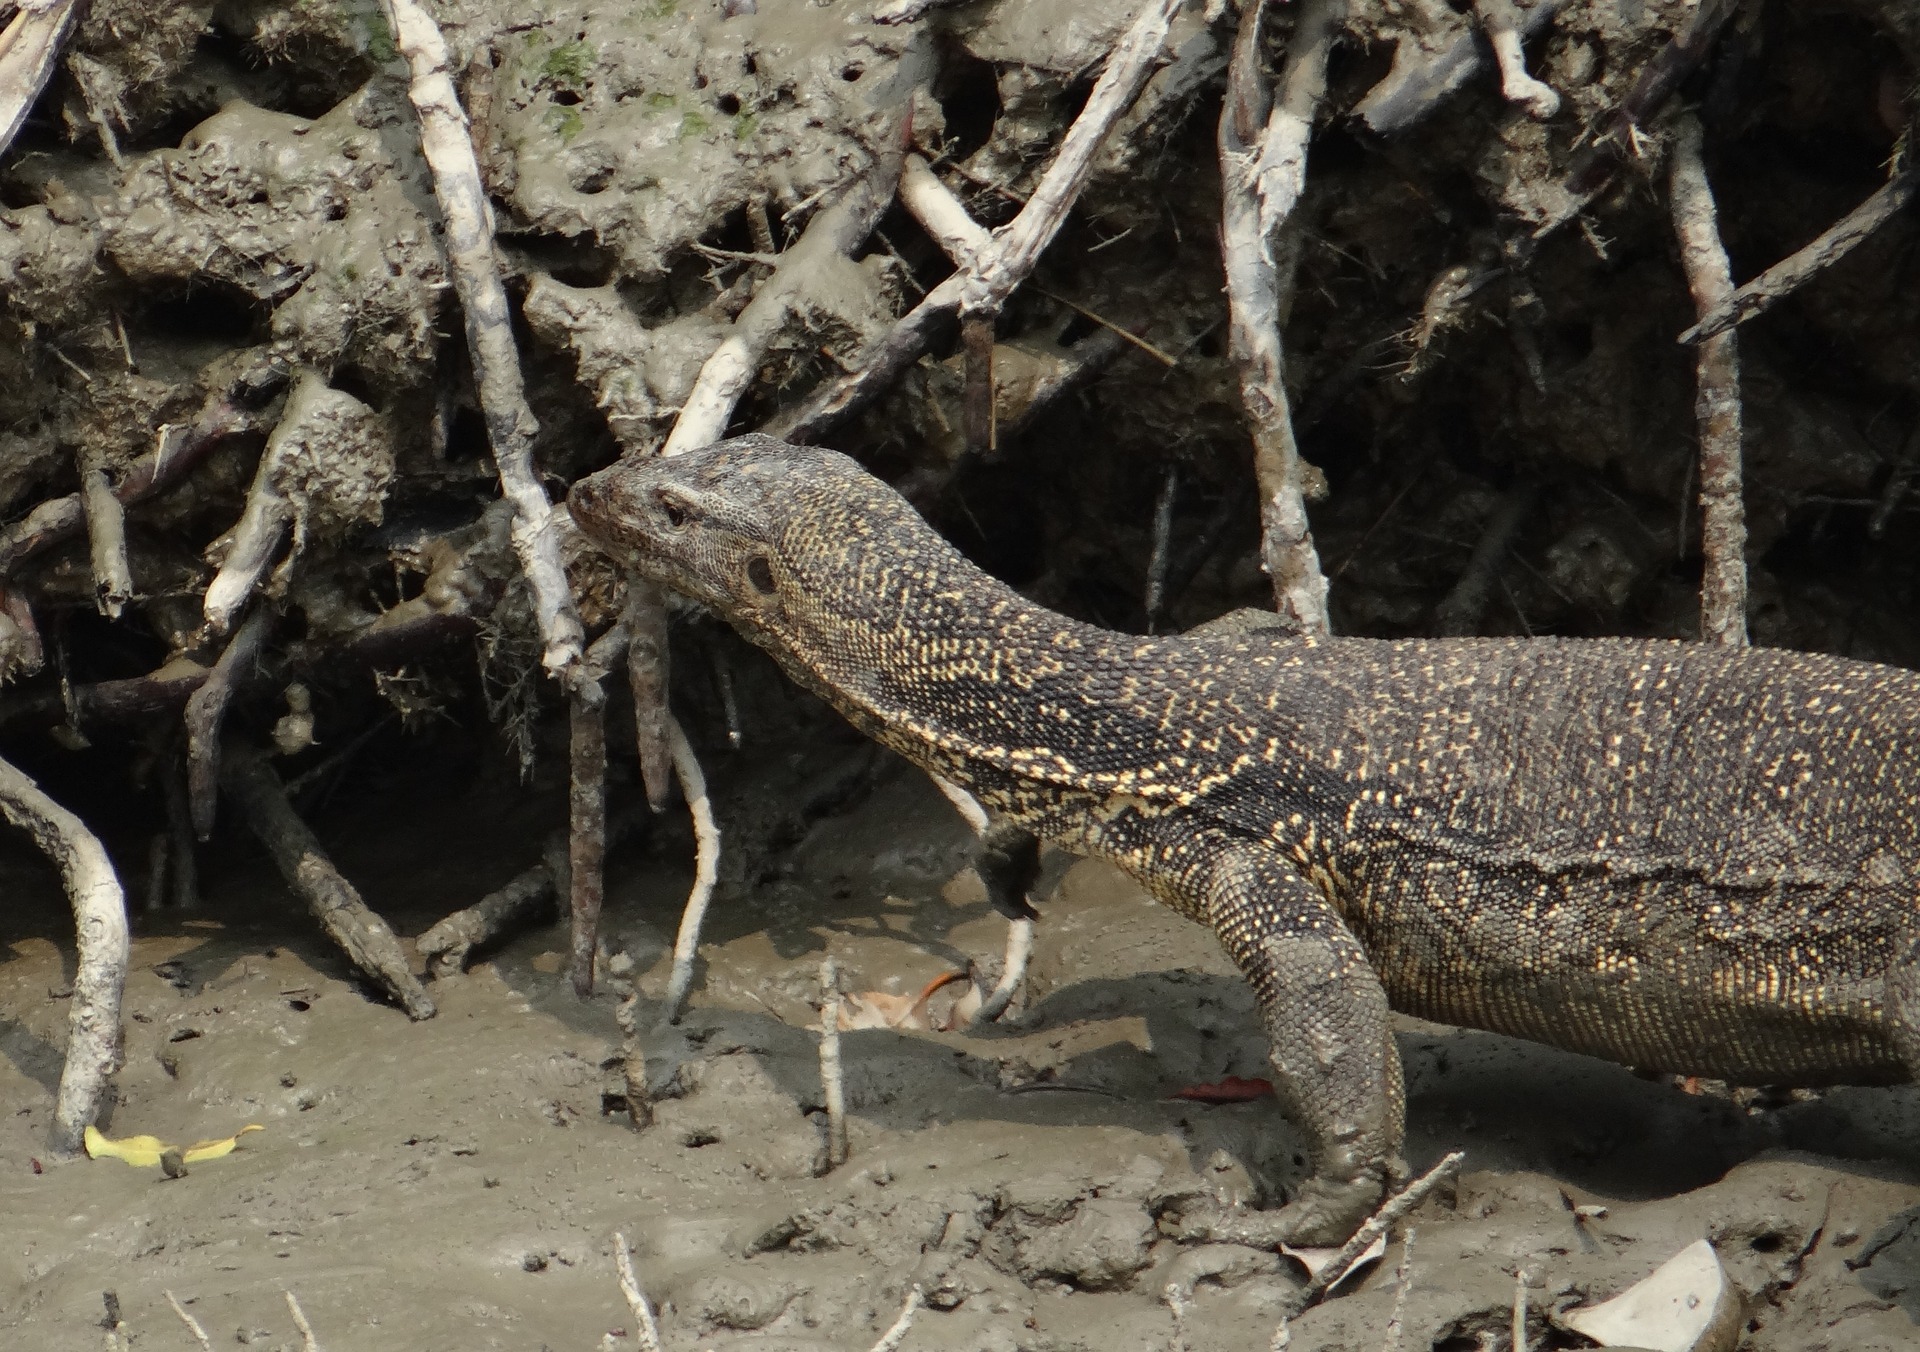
(760, 574)
(676, 512)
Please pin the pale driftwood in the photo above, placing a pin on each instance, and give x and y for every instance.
(1822, 252)
(29, 47)
(1723, 518)
(982, 288)
(252, 785)
(706, 868)
(207, 708)
(107, 536)
(896, 1334)
(100, 970)
(645, 1330)
(832, 1083)
(1263, 171)
(832, 234)
(472, 258)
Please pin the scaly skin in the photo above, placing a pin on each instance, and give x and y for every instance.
(1674, 855)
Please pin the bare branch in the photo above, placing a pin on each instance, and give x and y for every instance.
(100, 976)
(648, 664)
(830, 235)
(645, 1330)
(1797, 269)
(1419, 81)
(207, 708)
(1263, 167)
(832, 1084)
(296, 851)
(1505, 23)
(1723, 522)
(587, 802)
(472, 257)
(706, 834)
(984, 287)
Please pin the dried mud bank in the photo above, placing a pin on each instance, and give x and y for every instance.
(249, 502)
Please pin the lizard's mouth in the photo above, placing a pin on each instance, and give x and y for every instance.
(617, 512)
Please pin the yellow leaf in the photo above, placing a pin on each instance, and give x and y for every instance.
(213, 1150)
(145, 1151)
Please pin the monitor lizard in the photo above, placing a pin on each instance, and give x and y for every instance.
(1679, 856)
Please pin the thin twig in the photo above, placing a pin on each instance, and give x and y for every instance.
(1518, 1324)
(1723, 521)
(308, 1343)
(207, 709)
(1263, 171)
(1798, 268)
(897, 1333)
(193, 1325)
(1375, 1226)
(832, 1086)
(645, 1330)
(100, 971)
(981, 289)
(706, 868)
(365, 937)
(473, 259)
(1402, 1284)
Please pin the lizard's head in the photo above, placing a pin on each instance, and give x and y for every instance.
(771, 536)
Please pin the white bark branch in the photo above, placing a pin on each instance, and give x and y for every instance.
(107, 538)
(1262, 168)
(28, 49)
(447, 144)
(706, 834)
(100, 977)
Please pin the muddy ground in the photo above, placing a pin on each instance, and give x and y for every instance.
(215, 204)
(456, 1183)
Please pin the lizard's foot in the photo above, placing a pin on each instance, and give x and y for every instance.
(1322, 1213)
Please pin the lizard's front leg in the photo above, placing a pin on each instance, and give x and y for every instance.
(1336, 1069)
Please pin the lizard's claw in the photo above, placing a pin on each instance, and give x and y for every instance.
(1322, 1213)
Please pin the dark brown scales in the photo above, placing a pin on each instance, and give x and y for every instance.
(1681, 856)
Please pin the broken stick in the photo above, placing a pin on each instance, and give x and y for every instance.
(107, 534)
(472, 257)
(1723, 521)
(296, 852)
(100, 974)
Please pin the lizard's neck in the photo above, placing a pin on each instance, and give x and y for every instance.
(960, 673)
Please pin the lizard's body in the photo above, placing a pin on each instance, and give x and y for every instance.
(1673, 855)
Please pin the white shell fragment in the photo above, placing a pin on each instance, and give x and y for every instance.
(1686, 1305)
